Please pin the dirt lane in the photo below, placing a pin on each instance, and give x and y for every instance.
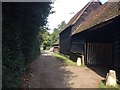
(47, 72)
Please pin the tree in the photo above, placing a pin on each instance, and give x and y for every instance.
(51, 39)
(55, 35)
(46, 40)
(23, 25)
(61, 26)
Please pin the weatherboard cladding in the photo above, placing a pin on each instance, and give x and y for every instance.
(117, 51)
(116, 43)
(104, 13)
(65, 41)
(77, 43)
(99, 54)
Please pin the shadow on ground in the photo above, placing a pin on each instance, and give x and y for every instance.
(100, 70)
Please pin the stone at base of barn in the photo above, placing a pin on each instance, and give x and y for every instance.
(79, 61)
(111, 78)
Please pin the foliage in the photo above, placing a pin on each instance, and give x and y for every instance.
(23, 26)
(64, 59)
(46, 40)
(61, 26)
(55, 35)
(51, 39)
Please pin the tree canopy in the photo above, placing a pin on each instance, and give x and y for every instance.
(51, 39)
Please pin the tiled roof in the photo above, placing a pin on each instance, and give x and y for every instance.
(74, 18)
(85, 13)
(104, 13)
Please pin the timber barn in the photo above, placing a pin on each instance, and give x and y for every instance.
(94, 37)
(97, 39)
(65, 34)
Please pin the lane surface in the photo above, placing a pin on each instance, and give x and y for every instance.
(47, 72)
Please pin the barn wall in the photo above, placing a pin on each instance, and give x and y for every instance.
(77, 43)
(117, 55)
(77, 47)
(117, 52)
(76, 50)
(116, 47)
(90, 41)
(65, 46)
(65, 41)
(99, 54)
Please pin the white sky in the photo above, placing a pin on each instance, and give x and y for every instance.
(64, 11)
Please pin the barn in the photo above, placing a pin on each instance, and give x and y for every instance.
(97, 39)
(65, 34)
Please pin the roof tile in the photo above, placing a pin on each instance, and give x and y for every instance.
(105, 12)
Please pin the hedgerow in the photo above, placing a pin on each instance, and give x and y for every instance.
(21, 37)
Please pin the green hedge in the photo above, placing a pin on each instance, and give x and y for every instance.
(21, 38)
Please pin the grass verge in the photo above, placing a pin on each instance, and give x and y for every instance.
(63, 59)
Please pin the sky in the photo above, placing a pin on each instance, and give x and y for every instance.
(65, 10)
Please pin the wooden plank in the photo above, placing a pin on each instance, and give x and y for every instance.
(99, 53)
